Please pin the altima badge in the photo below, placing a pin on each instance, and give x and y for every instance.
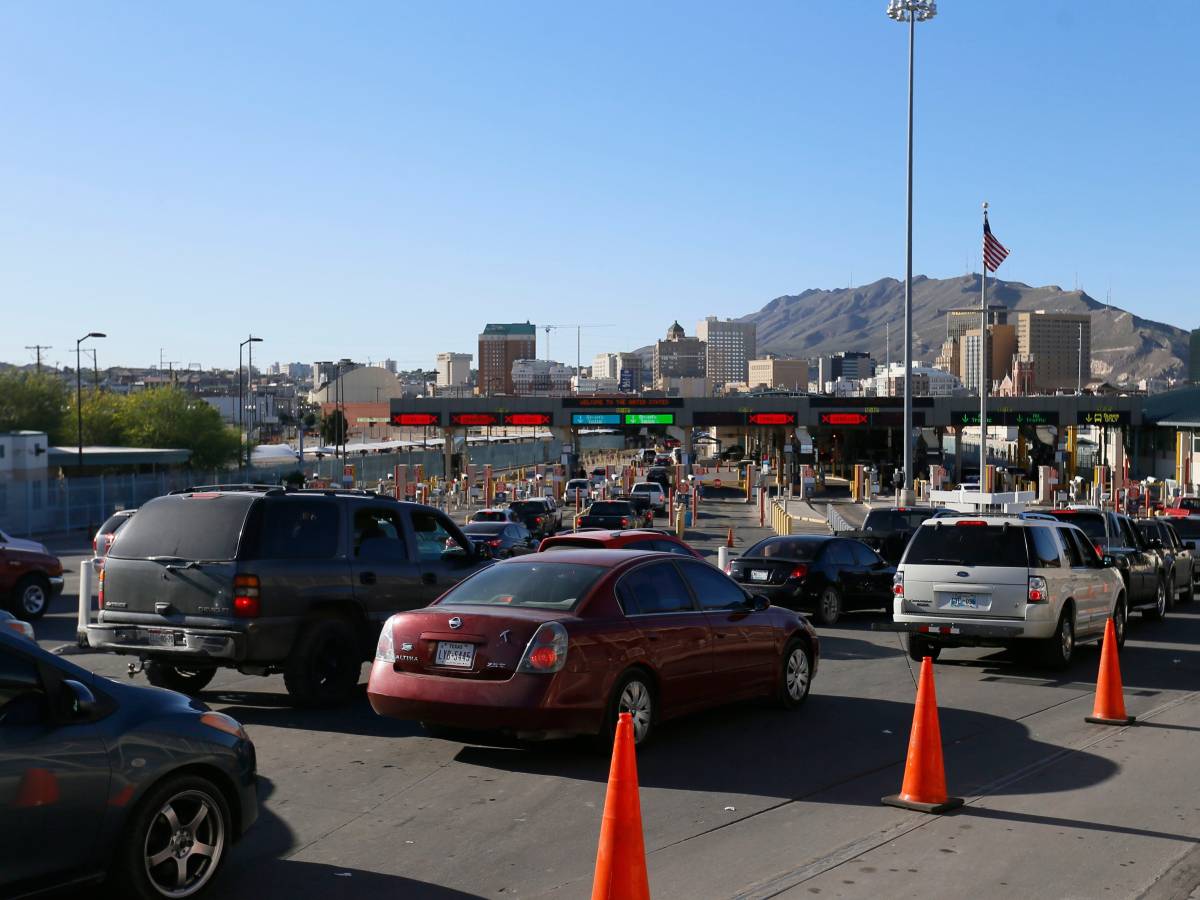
(456, 623)
(504, 635)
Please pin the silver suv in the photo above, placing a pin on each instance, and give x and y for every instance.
(1004, 581)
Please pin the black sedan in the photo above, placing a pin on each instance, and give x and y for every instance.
(613, 514)
(504, 539)
(103, 780)
(818, 573)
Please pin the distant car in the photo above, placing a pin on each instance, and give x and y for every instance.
(612, 514)
(1188, 530)
(647, 455)
(496, 514)
(621, 539)
(577, 492)
(107, 533)
(888, 530)
(655, 494)
(664, 459)
(104, 780)
(560, 644)
(828, 575)
(504, 539)
(661, 476)
(30, 577)
(535, 515)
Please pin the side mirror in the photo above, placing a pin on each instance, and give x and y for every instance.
(76, 701)
(760, 602)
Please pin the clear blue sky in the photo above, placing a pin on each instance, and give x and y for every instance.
(381, 179)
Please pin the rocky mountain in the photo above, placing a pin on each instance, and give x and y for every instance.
(1125, 347)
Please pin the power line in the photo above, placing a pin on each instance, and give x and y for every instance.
(39, 348)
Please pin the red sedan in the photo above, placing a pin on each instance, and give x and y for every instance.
(624, 539)
(559, 644)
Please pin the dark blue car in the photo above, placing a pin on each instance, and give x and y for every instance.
(107, 781)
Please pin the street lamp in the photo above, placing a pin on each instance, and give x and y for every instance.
(79, 391)
(241, 394)
(912, 12)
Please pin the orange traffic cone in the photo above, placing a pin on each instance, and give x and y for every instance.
(924, 787)
(621, 856)
(1110, 698)
(729, 537)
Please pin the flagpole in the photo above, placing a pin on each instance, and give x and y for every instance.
(983, 369)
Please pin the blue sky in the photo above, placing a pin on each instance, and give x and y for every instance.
(381, 179)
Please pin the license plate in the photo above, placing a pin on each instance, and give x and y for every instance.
(160, 638)
(455, 653)
(962, 601)
(759, 575)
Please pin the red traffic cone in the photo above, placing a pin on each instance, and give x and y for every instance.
(621, 856)
(729, 537)
(1110, 697)
(924, 787)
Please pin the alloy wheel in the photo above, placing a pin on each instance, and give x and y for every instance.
(635, 700)
(33, 599)
(184, 843)
(797, 674)
(1161, 600)
(1066, 639)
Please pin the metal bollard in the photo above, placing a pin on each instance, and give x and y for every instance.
(723, 558)
(86, 572)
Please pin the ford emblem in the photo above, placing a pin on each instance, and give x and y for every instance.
(456, 623)
(963, 574)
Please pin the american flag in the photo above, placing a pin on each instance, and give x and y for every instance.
(994, 252)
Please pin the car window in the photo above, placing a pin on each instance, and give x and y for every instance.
(786, 548)
(433, 537)
(713, 589)
(863, 555)
(1070, 541)
(953, 542)
(670, 547)
(656, 588)
(1172, 536)
(201, 525)
(1092, 523)
(614, 508)
(294, 528)
(22, 699)
(378, 535)
(1043, 548)
(1129, 537)
(837, 553)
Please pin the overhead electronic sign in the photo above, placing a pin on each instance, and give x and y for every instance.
(595, 418)
(479, 419)
(872, 417)
(649, 418)
(1103, 417)
(772, 418)
(411, 420)
(1005, 417)
(622, 402)
(528, 418)
(844, 418)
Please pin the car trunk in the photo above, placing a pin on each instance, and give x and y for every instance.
(752, 570)
(496, 639)
(967, 570)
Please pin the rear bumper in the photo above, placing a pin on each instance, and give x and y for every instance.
(959, 633)
(521, 705)
(56, 584)
(185, 643)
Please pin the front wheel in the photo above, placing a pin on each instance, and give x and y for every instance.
(31, 598)
(829, 606)
(183, 679)
(1160, 604)
(795, 679)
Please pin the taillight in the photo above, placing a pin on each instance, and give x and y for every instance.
(975, 522)
(547, 650)
(800, 571)
(537, 520)
(495, 542)
(245, 596)
(728, 568)
(1099, 549)
(898, 584)
(1037, 589)
(385, 650)
(624, 522)
(100, 590)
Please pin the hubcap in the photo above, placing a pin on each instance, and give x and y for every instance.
(797, 675)
(829, 604)
(34, 599)
(1162, 599)
(1119, 621)
(184, 844)
(635, 700)
(1068, 639)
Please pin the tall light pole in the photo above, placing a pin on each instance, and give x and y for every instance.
(241, 394)
(79, 391)
(912, 12)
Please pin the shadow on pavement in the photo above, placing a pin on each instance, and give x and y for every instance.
(276, 710)
(977, 812)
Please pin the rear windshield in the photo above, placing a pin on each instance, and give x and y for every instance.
(578, 483)
(528, 507)
(187, 526)
(113, 523)
(895, 519)
(956, 544)
(608, 509)
(484, 528)
(1092, 523)
(646, 489)
(786, 548)
(535, 584)
(1191, 504)
(486, 516)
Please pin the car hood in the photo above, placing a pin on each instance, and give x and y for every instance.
(27, 546)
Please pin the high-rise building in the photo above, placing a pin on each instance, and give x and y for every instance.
(501, 345)
(324, 372)
(1194, 357)
(1001, 347)
(604, 365)
(679, 356)
(848, 364)
(390, 365)
(1061, 347)
(541, 377)
(453, 369)
(772, 372)
(728, 348)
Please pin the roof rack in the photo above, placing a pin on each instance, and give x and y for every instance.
(264, 488)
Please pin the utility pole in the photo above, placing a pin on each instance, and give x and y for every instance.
(38, 348)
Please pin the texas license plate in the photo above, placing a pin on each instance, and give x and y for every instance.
(963, 601)
(455, 653)
(759, 575)
(160, 638)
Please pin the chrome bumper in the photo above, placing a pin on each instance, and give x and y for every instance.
(141, 639)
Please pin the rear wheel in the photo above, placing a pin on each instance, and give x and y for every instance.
(919, 648)
(633, 694)
(795, 679)
(1057, 652)
(178, 678)
(829, 606)
(324, 666)
(1160, 604)
(31, 598)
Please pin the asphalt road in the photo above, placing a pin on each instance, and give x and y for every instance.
(745, 802)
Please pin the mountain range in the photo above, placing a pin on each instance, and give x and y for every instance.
(1125, 348)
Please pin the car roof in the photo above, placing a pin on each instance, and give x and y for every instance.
(608, 557)
(605, 534)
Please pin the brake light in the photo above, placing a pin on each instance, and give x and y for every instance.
(495, 542)
(624, 521)
(1099, 549)
(800, 571)
(537, 520)
(385, 650)
(547, 650)
(898, 584)
(971, 522)
(100, 590)
(245, 596)
(1037, 589)
(728, 568)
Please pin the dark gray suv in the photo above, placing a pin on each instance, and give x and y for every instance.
(267, 580)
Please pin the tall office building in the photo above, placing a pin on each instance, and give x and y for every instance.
(1060, 345)
(501, 345)
(772, 372)
(453, 369)
(729, 347)
(604, 365)
(1001, 347)
(849, 364)
(679, 356)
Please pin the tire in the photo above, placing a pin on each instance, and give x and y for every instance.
(324, 665)
(152, 834)
(1120, 617)
(179, 678)
(1160, 604)
(795, 676)
(829, 606)
(635, 694)
(1058, 651)
(31, 598)
(919, 648)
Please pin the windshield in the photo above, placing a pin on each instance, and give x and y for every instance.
(1092, 523)
(608, 509)
(578, 484)
(645, 489)
(786, 548)
(186, 526)
(962, 544)
(534, 584)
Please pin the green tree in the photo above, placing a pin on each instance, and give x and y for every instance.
(333, 428)
(168, 417)
(105, 416)
(34, 402)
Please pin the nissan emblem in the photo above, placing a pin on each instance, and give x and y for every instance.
(456, 623)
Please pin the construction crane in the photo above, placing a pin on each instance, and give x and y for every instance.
(578, 338)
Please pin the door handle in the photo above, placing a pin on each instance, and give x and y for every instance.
(428, 578)
(652, 637)
(366, 577)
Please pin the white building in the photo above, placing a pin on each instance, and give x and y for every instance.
(593, 385)
(453, 369)
(604, 365)
(728, 348)
(927, 382)
(541, 377)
